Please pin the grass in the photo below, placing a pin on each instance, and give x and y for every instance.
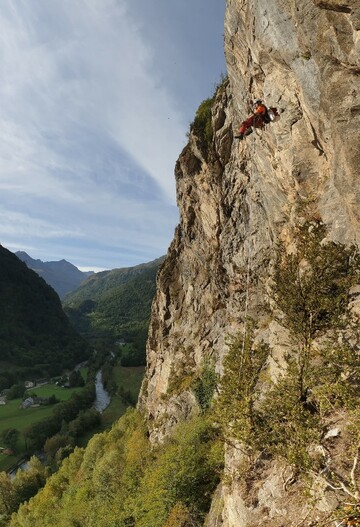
(7, 462)
(129, 378)
(12, 416)
(84, 373)
(63, 394)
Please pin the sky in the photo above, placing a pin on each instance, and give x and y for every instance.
(96, 98)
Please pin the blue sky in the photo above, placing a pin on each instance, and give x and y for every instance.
(96, 97)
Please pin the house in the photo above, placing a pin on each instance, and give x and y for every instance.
(29, 384)
(27, 403)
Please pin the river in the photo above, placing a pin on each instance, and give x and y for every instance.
(102, 399)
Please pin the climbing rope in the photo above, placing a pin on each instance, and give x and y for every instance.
(249, 251)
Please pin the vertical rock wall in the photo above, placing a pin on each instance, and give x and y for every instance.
(237, 198)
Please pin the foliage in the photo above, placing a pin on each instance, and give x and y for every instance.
(37, 433)
(55, 444)
(312, 284)
(201, 126)
(76, 379)
(185, 471)
(16, 391)
(10, 437)
(118, 481)
(348, 515)
(333, 377)
(235, 408)
(180, 516)
(288, 424)
(115, 305)
(311, 289)
(205, 385)
(22, 487)
(33, 327)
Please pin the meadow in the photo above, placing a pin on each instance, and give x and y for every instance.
(130, 378)
(62, 394)
(13, 416)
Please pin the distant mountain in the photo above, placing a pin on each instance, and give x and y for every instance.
(34, 329)
(61, 275)
(114, 306)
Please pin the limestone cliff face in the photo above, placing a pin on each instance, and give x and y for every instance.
(237, 198)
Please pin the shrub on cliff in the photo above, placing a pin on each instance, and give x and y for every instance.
(235, 409)
(311, 290)
(201, 126)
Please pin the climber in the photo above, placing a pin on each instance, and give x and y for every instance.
(261, 116)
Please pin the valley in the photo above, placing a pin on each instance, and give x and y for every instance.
(44, 396)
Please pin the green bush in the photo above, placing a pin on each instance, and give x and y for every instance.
(235, 409)
(201, 126)
(311, 287)
(205, 385)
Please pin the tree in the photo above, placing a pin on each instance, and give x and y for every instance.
(37, 433)
(7, 498)
(235, 408)
(205, 385)
(75, 379)
(10, 437)
(16, 391)
(27, 482)
(312, 289)
(180, 516)
(55, 443)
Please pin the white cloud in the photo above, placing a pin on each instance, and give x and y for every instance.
(90, 131)
(88, 68)
(24, 225)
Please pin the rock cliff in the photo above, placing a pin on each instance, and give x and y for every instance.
(236, 199)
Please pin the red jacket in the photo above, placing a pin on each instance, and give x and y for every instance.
(260, 110)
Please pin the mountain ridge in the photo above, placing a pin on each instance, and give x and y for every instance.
(61, 275)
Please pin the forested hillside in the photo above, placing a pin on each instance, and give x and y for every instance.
(114, 306)
(35, 334)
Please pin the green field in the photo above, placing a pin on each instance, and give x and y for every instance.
(129, 378)
(12, 416)
(63, 394)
